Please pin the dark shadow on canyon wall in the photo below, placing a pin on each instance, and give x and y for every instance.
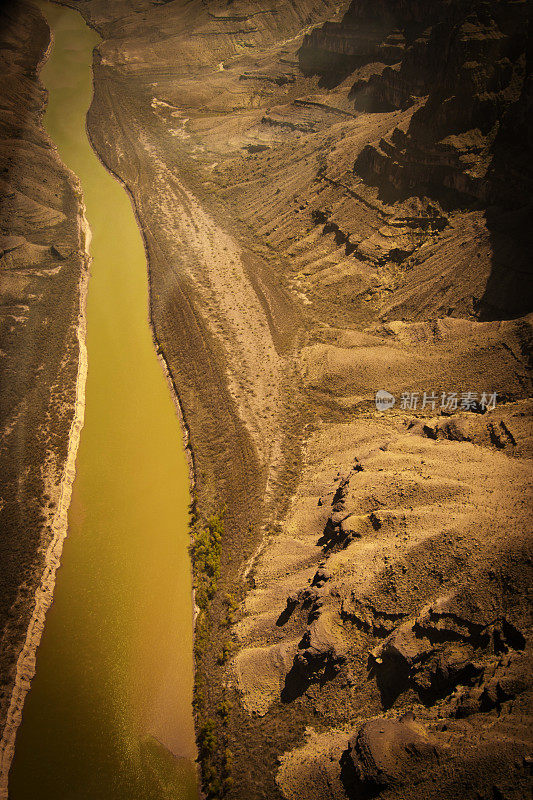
(466, 73)
(509, 289)
(355, 789)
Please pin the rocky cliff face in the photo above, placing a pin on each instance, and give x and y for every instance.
(473, 65)
(462, 68)
(41, 264)
(334, 201)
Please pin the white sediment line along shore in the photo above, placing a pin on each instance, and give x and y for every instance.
(44, 594)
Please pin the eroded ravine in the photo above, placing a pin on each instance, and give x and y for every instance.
(109, 714)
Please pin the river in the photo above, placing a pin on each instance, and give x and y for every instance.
(109, 713)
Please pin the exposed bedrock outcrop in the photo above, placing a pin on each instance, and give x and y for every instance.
(453, 642)
(391, 751)
(421, 610)
(376, 34)
(400, 757)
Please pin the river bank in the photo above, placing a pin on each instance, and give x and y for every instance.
(118, 628)
(290, 281)
(25, 668)
(44, 270)
(26, 662)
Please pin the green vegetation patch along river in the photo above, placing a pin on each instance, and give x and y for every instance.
(109, 713)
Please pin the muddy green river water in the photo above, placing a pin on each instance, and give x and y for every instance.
(109, 712)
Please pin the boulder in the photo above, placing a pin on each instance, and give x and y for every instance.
(387, 752)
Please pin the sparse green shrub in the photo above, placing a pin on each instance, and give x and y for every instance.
(232, 604)
(193, 508)
(205, 554)
(214, 788)
(228, 649)
(206, 738)
(224, 709)
(227, 762)
(199, 695)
